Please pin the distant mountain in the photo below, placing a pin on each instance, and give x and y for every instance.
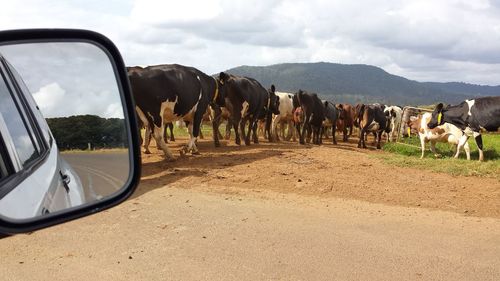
(359, 83)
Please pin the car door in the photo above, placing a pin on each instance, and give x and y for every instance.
(32, 181)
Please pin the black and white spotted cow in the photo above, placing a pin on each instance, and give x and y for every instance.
(314, 114)
(171, 92)
(371, 118)
(247, 101)
(470, 116)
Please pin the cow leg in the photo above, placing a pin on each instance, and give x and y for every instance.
(215, 124)
(291, 134)
(274, 132)
(361, 138)
(309, 133)
(255, 137)
(236, 123)
(147, 140)
(433, 149)
(379, 138)
(170, 126)
(243, 123)
(158, 135)
(302, 133)
(228, 128)
(467, 150)
(461, 142)
(269, 121)
(147, 133)
(344, 131)
(252, 129)
(422, 145)
(283, 127)
(334, 127)
(196, 129)
(479, 142)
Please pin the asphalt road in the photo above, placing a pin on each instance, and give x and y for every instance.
(101, 173)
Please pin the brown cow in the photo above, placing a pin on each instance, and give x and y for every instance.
(346, 121)
(445, 133)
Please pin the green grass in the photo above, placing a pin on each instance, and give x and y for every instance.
(407, 154)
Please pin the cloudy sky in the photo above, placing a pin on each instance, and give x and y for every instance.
(424, 40)
(67, 78)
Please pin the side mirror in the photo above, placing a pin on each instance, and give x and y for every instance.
(68, 132)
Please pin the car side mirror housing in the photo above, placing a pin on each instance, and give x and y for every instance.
(69, 143)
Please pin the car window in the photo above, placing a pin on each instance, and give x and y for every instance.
(16, 127)
(36, 110)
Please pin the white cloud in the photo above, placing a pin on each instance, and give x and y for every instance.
(48, 98)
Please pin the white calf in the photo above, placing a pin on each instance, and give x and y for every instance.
(285, 116)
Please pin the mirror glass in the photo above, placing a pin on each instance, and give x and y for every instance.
(63, 134)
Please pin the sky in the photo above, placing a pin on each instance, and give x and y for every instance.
(423, 40)
(67, 78)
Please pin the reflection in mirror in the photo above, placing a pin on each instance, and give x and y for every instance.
(63, 139)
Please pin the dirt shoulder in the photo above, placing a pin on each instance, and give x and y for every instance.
(342, 171)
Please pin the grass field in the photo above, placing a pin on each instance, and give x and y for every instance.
(407, 154)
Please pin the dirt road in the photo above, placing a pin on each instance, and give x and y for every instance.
(276, 212)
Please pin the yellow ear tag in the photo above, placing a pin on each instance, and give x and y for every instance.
(409, 132)
(439, 117)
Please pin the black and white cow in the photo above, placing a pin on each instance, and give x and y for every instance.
(170, 92)
(247, 100)
(371, 118)
(470, 116)
(314, 114)
(332, 114)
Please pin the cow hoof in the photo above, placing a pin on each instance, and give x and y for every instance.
(195, 153)
(183, 151)
(378, 147)
(217, 144)
(172, 139)
(439, 156)
(238, 142)
(147, 152)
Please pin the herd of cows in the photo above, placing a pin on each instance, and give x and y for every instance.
(171, 92)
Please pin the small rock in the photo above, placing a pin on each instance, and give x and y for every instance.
(129, 257)
(299, 180)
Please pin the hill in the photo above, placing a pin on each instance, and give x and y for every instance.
(360, 83)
